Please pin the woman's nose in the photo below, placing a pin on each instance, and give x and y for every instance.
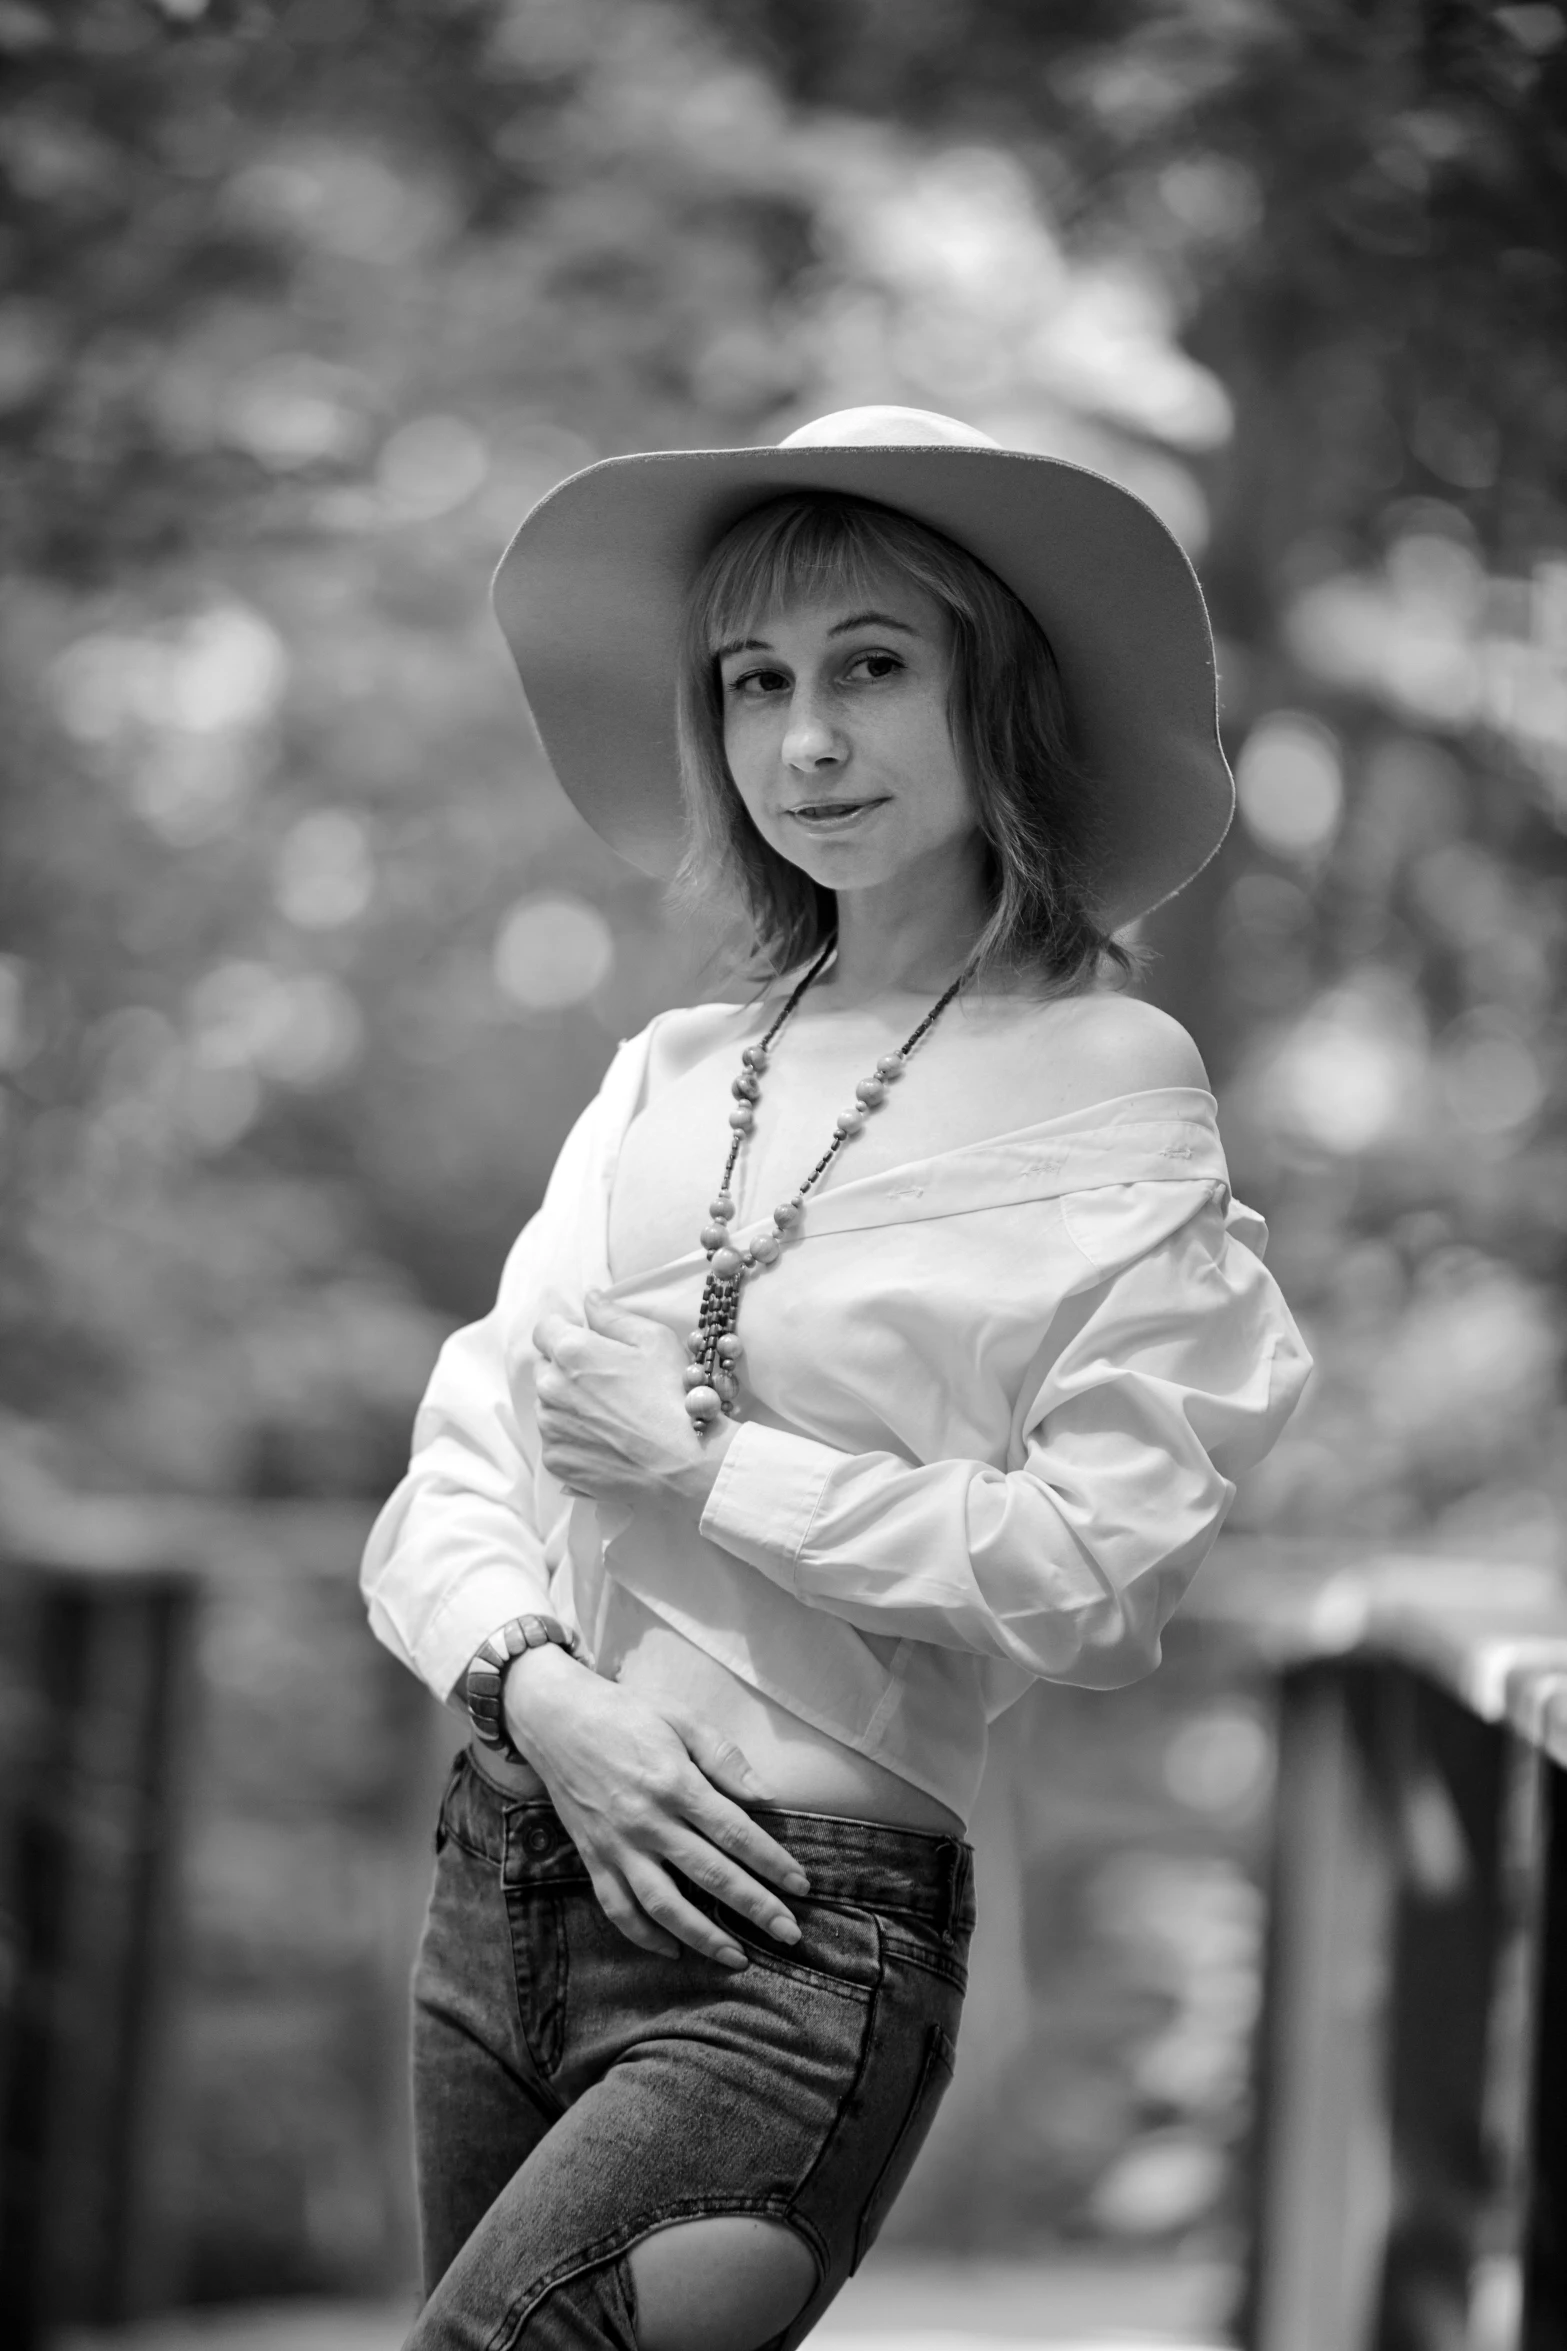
(810, 740)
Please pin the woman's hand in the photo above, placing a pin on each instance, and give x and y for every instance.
(610, 1404)
(645, 1789)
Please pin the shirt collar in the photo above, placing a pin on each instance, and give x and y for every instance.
(1164, 1135)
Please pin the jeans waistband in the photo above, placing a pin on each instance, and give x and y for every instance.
(856, 1861)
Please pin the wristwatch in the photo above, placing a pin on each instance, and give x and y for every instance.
(484, 1684)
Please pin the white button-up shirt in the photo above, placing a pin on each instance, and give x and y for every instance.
(996, 1401)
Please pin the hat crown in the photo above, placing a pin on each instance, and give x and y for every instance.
(884, 426)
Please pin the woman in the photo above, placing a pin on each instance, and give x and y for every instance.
(733, 1527)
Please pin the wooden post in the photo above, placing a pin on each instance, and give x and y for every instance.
(1544, 2247)
(88, 1821)
(1453, 2047)
(1411, 2137)
(1325, 2185)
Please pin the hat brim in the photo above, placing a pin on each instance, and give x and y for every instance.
(590, 594)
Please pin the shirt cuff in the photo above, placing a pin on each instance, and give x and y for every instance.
(481, 1604)
(765, 1498)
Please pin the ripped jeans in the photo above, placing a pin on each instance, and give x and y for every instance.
(573, 2093)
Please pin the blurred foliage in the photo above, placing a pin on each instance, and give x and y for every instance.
(1104, 2091)
(1355, 215)
(315, 1779)
(304, 962)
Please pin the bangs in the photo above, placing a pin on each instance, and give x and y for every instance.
(793, 552)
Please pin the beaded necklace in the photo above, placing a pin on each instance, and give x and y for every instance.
(711, 1377)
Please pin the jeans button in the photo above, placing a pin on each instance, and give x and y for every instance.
(538, 1840)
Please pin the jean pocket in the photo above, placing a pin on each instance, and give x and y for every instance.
(919, 1944)
(839, 1946)
(930, 2087)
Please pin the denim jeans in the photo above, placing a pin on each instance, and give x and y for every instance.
(574, 2093)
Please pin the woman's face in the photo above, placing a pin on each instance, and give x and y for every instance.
(835, 726)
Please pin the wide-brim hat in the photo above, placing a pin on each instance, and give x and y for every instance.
(591, 590)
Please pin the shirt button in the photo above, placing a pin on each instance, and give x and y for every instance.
(538, 1840)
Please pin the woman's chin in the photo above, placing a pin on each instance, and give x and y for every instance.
(836, 861)
(836, 872)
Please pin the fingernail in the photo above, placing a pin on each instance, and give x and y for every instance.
(797, 1882)
(732, 1959)
(785, 1928)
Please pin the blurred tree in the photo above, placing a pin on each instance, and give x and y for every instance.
(1356, 214)
(304, 962)
(307, 963)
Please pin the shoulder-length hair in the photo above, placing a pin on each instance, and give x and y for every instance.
(1005, 710)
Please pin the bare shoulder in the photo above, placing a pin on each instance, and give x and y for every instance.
(1102, 1045)
(1121, 1045)
(681, 1039)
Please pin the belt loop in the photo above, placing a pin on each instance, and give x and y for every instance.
(449, 1800)
(951, 1870)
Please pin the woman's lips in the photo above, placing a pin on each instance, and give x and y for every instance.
(834, 816)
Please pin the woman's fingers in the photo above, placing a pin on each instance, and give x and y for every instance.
(630, 1785)
(621, 1907)
(643, 1903)
(661, 1901)
(601, 1314)
(714, 1874)
(633, 1882)
(717, 1758)
(735, 1833)
(548, 1333)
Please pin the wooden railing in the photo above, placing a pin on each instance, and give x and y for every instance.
(216, 1794)
(1409, 2173)
(1411, 2138)
(97, 1650)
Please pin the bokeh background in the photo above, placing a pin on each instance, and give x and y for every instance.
(305, 963)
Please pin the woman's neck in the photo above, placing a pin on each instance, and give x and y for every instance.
(911, 934)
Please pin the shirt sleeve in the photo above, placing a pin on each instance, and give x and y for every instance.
(1176, 1373)
(458, 1547)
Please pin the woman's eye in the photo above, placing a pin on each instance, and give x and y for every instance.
(874, 665)
(751, 683)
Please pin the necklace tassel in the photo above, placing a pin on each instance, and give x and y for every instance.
(712, 1377)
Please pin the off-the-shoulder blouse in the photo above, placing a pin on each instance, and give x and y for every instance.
(993, 1421)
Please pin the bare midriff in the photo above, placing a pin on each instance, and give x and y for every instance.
(799, 1767)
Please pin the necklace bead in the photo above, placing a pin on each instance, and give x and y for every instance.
(710, 1378)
